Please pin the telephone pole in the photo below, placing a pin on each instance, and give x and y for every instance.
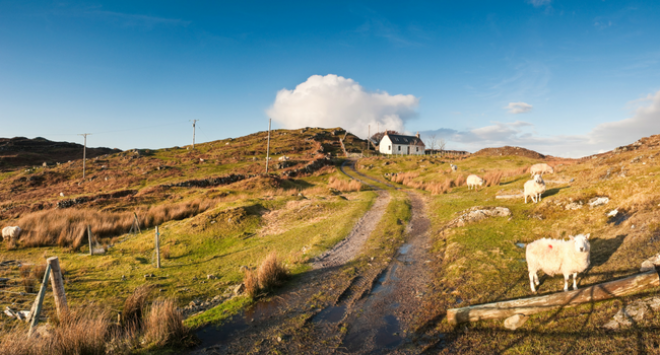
(194, 121)
(268, 146)
(84, 152)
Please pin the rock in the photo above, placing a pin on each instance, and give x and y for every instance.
(515, 321)
(598, 201)
(479, 213)
(239, 289)
(632, 313)
(573, 206)
(654, 303)
(613, 213)
(650, 263)
(211, 277)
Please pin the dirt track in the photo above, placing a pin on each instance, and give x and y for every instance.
(373, 311)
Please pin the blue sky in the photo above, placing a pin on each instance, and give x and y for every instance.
(583, 76)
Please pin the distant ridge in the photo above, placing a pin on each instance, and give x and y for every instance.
(21, 152)
(507, 150)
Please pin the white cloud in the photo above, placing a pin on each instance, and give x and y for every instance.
(334, 101)
(645, 121)
(538, 3)
(518, 107)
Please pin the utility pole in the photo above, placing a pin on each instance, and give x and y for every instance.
(84, 152)
(268, 146)
(369, 138)
(194, 121)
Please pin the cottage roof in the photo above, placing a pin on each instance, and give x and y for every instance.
(406, 140)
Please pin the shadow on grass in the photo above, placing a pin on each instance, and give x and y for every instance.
(580, 334)
(554, 191)
(603, 249)
(513, 181)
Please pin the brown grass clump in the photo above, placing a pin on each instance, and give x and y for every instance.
(164, 324)
(165, 252)
(460, 181)
(81, 331)
(405, 178)
(440, 187)
(68, 227)
(272, 272)
(14, 342)
(134, 306)
(344, 185)
(493, 178)
(251, 284)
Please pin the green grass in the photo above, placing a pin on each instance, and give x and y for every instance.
(219, 313)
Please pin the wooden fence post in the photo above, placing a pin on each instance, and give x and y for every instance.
(58, 286)
(33, 318)
(89, 237)
(157, 248)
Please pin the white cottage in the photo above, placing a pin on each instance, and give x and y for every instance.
(400, 144)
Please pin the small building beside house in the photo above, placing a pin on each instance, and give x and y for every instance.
(401, 145)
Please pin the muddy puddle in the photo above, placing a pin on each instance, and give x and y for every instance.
(383, 328)
(259, 312)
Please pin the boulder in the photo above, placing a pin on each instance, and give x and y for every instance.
(515, 321)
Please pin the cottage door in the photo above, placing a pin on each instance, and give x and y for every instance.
(408, 149)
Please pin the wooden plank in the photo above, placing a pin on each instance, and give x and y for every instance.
(527, 306)
(58, 286)
(33, 319)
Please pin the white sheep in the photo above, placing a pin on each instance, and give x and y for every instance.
(541, 168)
(473, 181)
(554, 257)
(11, 232)
(453, 167)
(534, 188)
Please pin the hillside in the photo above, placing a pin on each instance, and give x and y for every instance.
(23, 152)
(220, 215)
(507, 150)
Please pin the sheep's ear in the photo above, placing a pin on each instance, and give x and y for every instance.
(571, 237)
(588, 234)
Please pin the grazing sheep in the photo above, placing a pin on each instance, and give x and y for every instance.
(453, 167)
(534, 188)
(554, 257)
(541, 169)
(473, 181)
(12, 232)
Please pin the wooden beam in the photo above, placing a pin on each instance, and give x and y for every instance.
(58, 286)
(527, 306)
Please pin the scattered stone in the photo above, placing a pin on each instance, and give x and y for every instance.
(515, 321)
(573, 206)
(239, 289)
(598, 201)
(211, 277)
(650, 263)
(613, 213)
(475, 214)
(628, 315)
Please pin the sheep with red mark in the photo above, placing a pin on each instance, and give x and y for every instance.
(555, 256)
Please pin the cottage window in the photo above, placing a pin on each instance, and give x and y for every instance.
(399, 148)
(417, 149)
(389, 147)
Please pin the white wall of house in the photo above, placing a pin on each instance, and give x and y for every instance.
(387, 147)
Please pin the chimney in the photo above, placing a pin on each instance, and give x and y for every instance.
(417, 135)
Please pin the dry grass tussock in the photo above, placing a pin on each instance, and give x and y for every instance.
(270, 274)
(493, 178)
(89, 330)
(164, 324)
(134, 306)
(344, 185)
(81, 331)
(68, 227)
